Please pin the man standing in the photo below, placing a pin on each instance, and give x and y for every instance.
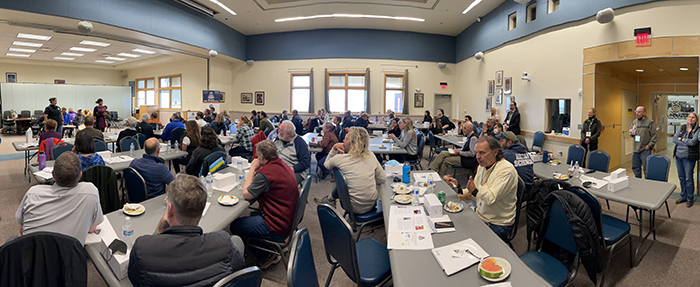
(590, 131)
(179, 253)
(90, 130)
(465, 157)
(298, 122)
(272, 182)
(644, 133)
(53, 111)
(67, 207)
(512, 122)
(293, 150)
(151, 167)
(174, 123)
(144, 127)
(517, 155)
(444, 120)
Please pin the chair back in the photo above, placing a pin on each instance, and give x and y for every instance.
(431, 140)
(176, 136)
(518, 209)
(25, 114)
(60, 149)
(301, 270)
(142, 140)
(661, 168)
(135, 185)
(538, 140)
(341, 188)
(40, 113)
(576, 154)
(213, 163)
(557, 228)
(301, 203)
(43, 259)
(598, 160)
(593, 204)
(421, 144)
(100, 144)
(338, 240)
(125, 143)
(105, 180)
(267, 131)
(246, 277)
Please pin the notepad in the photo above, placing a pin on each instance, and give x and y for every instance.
(453, 258)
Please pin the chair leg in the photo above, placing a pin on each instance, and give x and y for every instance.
(330, 274)
(608, 203)
(627, 216)
(667, 210)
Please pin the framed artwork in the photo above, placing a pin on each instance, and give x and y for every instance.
(418, 100)
(499, 78)
(488, 104)
(499, 96)
(508, 86)
(222, 97)
(11, 77)
(260, 98)
(61, 82)
(491, 87)
(246, 98)
(508, 101)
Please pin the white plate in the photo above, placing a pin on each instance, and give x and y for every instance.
(133, 209)
(500, 262)
(403, 199)
(461, 207)
(221, 198)
(402, 190)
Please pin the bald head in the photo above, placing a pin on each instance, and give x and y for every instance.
(641, 112)
(286, 131)
(152, 146)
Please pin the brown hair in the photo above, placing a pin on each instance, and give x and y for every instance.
(51, 125)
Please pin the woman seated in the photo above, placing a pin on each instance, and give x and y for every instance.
(394, 127)
(50, 127)
(208, 144)
(244, 137)
(85, 148)
(219, 126)
(129, 131)
(408, 141)
(190, 142)
(329, 140)
(435, 126)
(359, 167)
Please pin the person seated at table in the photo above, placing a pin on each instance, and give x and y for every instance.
(517, 155)
(435, 126)
(445, 122)
(179, 253)
(329, 140)
(50, 127)
(359, 167)
(65, 115)
(426, 117)
(190, 142)
(90, 130)
(199, 119)
(389, 116)
(265, 124)
(152, 167)
(154, 119)
(209, 143)
(218, 125)
(316, 121)
(336, 122)
(78, 119)
(298, 122)
(494, 188)
(407, 141)
(244, 137)
(174, 123)
(273, 183)
(71, 114)
(207, 116)
(67, 207)
(363, 121)
(489, 126)
(466, 157)
(85, 148)
(347, 120)
(143, 127)
(394, 127)
(497, 129)
(128, 131)
(284, 116)
(293, 150)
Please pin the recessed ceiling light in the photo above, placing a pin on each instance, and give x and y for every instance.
(349, 16)
(21, 50)
(27, 44)
(81, 49)
(94, 43)
(64, 58)
(115, 59)
(223, 6)
(128, 55)
(639, 70)
(684, 69)
(471, 6)
(17, 55)
(34, 37)
(103, 61)
(143, 51)
(72, 54)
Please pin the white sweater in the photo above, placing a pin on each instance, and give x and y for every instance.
(359, 173)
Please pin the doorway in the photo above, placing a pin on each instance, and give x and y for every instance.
(444, 102)
(627, 116)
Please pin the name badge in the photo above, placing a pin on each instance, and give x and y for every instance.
(588, 134)
(480, 206)
(637, 138)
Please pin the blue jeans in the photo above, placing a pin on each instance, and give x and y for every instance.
(639, 162)
(500, 230)
(254, 226)
(686, 172)
(320, 164)
(59, 129)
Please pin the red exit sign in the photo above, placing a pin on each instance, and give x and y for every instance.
(643, 37)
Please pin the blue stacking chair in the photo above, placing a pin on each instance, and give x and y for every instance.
(135, 185)
(142, 140)
(176, 136)
(518, 209)
(125, 144)
(662, 166)
(59, 149)
(301, 270)
(100, 144)
(538, 141)
(434, 150)
(612, 230)
(372, 217)
(366, 262)
(598, 160)
(556, 230)
(247, 277)
(421, 145)
(213, 163)
(576, 154)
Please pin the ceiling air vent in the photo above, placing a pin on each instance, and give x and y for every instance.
(45, 49)
(198, 7)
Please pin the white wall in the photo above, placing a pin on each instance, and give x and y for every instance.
(28, 72)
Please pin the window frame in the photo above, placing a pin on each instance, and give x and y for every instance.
(553, 6)
(145, 90)
(170, 88)
(402, 89)
(291, 91)
(512, 21)
(346, 87)
(530, 16)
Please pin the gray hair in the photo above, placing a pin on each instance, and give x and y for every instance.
(67, 170)
(286, 129)
(266, 150)
(145, 117)
(329, 125)
(188, 196)
(493, 145)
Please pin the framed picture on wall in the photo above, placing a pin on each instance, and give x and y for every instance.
(508, 86)
(488, 104)
(418, 100)
(499, 78)
(508, 101)
(491, 87)
(11, 77)
(260, 98)
(499, 96)
(222, 97)
(246, 98)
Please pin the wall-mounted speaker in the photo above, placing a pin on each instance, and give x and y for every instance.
(442, 64)
(250, 62)
(85, 27)
(605, 16)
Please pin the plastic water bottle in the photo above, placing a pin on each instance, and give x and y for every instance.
(406, 170)
(241, 179)
(430, 187)
(576, 170)
(177, 147)
(209, 181)
(131, 149)
(239, 164)
(128, 232)
(42, 160)
(415, 193)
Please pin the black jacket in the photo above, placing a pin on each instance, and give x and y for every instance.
(591, 125)
(146, 129)
(197, 158)
(536, 208)
(513, 120)
(122, 135)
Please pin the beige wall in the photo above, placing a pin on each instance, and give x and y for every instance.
(27, 72)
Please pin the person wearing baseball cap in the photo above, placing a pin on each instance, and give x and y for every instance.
(516, 153)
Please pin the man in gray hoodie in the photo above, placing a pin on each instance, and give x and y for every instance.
(643, 131)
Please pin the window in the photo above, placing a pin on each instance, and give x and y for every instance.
(145, 92)
(393, 92)
(511, 21)
(301, 92)
(558, 114)
(553, 6)
(346, 92)
(531, 12)
(170, 92)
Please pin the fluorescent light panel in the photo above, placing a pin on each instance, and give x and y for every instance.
(94, 43)
(223, 6)
(81, 49)
(103, 61)
(72, 54)
(17, 55)
(115, 59)
(471, 6)
(21, 50)
(349, 16)
(26, 44)
(64, 58)
(128, 55)
(143, 51)
(33, 37)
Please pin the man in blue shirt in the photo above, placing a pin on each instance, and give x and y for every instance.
(174, 123)
(152, 168)
(517, 154)
(298, 122)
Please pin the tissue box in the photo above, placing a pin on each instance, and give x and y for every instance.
(118, 263)
(618, 173)
(618, 183)
(390, 169)
(224, 181)
(432, 205)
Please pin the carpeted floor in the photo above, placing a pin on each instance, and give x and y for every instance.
(670, 260)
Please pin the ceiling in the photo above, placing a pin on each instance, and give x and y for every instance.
(658, 67)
